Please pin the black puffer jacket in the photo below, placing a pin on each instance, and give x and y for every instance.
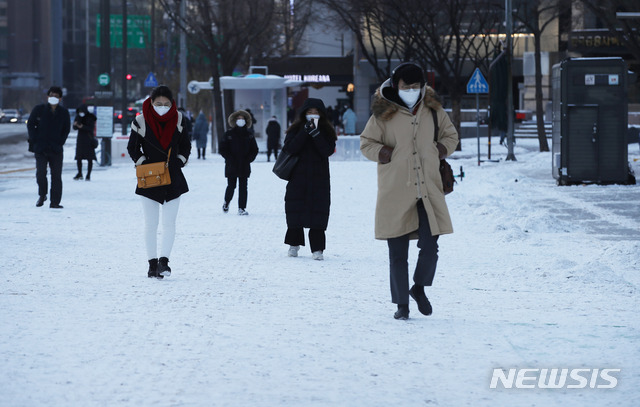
(48, 131)
(308, 196)
(238, 147)
(84, 147)
(150, 147)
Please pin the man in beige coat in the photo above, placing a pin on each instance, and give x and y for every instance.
(400, 136)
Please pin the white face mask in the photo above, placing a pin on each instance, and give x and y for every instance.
(81, 114)
(240, 122)
(53, 100)
(409, 96)
(161, 110)
(313, 116)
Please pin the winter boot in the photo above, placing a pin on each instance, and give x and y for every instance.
(402, 312)
(417, 293)
(225, 207)
(153, 269)
(163, 267)
(293, 251)
(317, 255)
(78, 176)
(41, 201)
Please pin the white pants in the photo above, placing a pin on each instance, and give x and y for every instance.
(151, 211)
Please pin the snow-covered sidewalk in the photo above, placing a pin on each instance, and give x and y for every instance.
(535, 276)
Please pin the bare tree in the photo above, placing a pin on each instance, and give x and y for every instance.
(223, 30)
(536, 16)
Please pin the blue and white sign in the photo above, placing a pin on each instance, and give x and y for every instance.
(151, 81)
(477, 83)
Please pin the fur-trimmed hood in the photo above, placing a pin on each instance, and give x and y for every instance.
(386, 101)
(235, 115)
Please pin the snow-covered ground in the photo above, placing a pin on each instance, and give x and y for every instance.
(535, 276)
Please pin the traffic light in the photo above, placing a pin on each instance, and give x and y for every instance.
(129, 77)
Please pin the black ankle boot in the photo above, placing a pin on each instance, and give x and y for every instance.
(417, 293)
(78, 176)
(402, 312)
(163, 267)
(153, 269)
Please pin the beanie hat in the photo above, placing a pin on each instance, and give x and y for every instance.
(409, 72)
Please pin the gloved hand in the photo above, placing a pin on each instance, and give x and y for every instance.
(442, 151)
(384, 156)
(311, 129)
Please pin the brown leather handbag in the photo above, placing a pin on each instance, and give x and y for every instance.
(446, 173)
(154, 174)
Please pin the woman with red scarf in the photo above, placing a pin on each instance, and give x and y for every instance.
(155, 135)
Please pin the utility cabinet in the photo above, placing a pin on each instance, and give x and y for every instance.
(590, 121)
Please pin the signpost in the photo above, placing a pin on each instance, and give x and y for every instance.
(104, 79)
(477, 84)
(151, 81)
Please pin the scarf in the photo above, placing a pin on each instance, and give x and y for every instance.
(164, 134)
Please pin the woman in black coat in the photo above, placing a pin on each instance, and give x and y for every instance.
(239, 149)
(158, 134)
(308, 198)
(86, 142)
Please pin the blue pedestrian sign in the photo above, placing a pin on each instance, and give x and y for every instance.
(151, 81)
(477, 83)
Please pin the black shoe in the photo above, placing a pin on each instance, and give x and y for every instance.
(88, 178)
(153, 269)
(402, 312)
(225, 207)
(78, 176)
(56, 206)
(424, 306)
(41, 201)
(163, 267)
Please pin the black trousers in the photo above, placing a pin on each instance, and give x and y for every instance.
(89, 167)
(54, 161)
(275, 153)
(242, 193)
(317, 238)
(399, 253)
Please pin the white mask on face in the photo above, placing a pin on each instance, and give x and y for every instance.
(53, 100)
(313, 116)
(81, 114)
(161, 110)
(240, 122)
(409, 96)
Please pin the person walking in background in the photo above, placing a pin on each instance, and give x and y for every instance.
(273, 138)
(308, 197)
(48, 127)
(86, 142)
(188, 123)
(400, 136)
(239, 149)
(158, 135)
(349, 121)
(200, 131)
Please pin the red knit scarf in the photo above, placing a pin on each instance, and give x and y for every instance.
(164, 134)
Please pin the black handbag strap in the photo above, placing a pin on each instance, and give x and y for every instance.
(434, 115)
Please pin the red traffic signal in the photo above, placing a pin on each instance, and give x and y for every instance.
(129, 76)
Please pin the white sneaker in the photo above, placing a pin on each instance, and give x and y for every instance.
(293, 251)
(242, 212)
(318, 255)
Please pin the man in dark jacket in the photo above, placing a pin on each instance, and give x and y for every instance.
(48, 127)
(273, 138)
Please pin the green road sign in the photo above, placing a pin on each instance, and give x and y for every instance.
(104, 79)
(138, 31)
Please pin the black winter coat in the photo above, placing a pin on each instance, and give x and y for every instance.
(84, 146)
(48, 131)
(239, 149)
(273, 135)
(150, 147)
(308, 195)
